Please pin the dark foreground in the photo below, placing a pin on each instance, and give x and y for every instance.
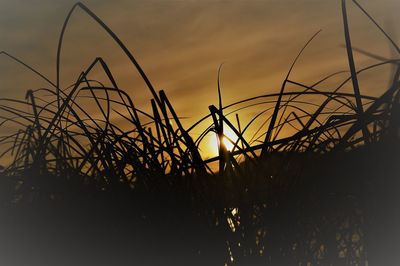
(293, 209)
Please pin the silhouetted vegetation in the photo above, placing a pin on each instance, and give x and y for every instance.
(323, 195)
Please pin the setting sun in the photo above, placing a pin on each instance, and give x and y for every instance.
(228, 141)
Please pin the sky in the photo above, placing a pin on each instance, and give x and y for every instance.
(181, 44)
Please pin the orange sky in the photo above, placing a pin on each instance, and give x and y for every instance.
(180, 45)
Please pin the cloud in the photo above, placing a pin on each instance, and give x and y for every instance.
(180, 44)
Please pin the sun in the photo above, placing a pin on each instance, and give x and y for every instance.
(229, 137)
(226, 141)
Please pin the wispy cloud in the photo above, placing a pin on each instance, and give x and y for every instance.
(180, 44)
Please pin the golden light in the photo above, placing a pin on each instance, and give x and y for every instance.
(229, 137)
(227, 143)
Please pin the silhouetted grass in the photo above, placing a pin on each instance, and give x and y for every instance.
(275, 199)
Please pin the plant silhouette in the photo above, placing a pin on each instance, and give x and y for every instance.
(324, 195)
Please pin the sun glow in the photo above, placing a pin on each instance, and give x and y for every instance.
(228, 141)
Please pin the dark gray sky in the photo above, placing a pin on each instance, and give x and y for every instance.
(180, 44)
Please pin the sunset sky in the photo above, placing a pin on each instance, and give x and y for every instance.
(180, 45)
